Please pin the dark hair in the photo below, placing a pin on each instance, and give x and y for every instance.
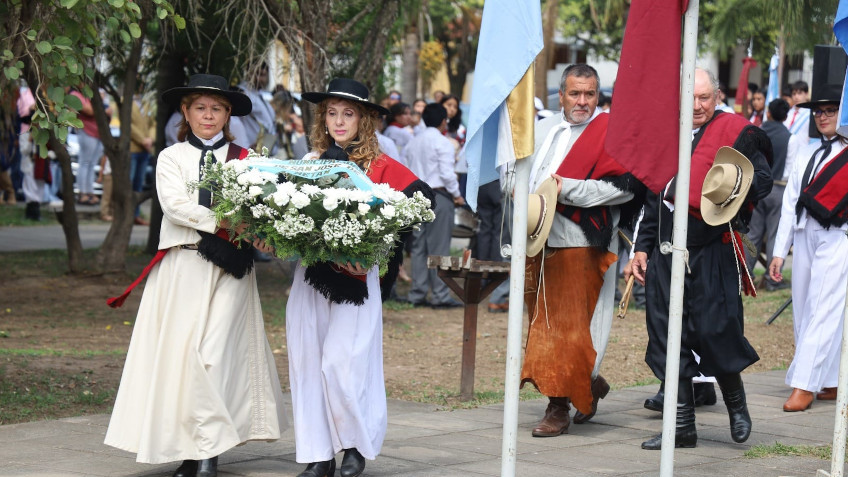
(753, 87)
(800, 86)
(398, 109)
(579, 70)
(760, 92)
(778, 109)
(787, 91)
(456, 121)
(433, 115)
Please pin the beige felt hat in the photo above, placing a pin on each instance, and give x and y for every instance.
(726, 186)
(541, 209)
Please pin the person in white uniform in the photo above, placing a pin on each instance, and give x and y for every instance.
(199, 376)
(334, 315)
(813, 220)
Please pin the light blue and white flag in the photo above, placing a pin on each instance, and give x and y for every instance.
(840, 30)
(774, 79)
(500, 123)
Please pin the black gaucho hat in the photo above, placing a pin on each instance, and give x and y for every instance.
(211, 84)
(345, 88)
(827, 94)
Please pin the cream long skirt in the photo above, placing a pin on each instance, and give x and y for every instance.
(336, 372)
(199, 377)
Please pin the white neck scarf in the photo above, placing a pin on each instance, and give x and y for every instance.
(537, 176)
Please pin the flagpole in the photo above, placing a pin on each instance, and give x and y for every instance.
(680, 229)
(837, 456)
(512, 381)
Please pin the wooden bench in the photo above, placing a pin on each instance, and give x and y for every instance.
(474, 272)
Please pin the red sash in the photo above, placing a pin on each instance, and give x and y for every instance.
(724, 129)
(826, 197)
(233, 152)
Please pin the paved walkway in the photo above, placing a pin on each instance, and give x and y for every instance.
(423, 441)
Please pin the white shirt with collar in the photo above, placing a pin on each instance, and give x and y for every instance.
(798, 123)
(431, 157)
(789, 223)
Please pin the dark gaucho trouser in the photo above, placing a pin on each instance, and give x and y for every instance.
(713, 319)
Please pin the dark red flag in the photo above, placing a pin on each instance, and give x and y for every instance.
(742, 89)
(644, 119)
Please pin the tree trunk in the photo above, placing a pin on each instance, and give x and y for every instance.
(111, 257)
(371, 56)
(545, 58)
(409, 84)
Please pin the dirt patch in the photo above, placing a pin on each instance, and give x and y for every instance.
(62, 349)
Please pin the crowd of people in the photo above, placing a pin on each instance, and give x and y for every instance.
(199, 377)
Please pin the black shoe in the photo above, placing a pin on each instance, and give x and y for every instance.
(733, 393)
(705, 394)
(772, 286)
(320, 469)
(207, 467)
(451, 303)
(352, 463)
(187, 469)
(32, 211)
(655, 403)
(685, 433)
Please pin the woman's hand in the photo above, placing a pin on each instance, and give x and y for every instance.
(259, 244)
(356, 269)
(774, 269)
(225, 224)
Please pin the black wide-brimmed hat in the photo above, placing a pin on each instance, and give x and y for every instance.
(211, 84)
(827, 94)
(345, 88)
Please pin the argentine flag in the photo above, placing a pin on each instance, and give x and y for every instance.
(500, 123)
(840, 30)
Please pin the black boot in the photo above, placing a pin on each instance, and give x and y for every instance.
(187, 469)
(656, 403)
(705, 394)
(685, 434)
(733, 393)
(320, 469)
(33, 211)
(207, 467)
(353, 464)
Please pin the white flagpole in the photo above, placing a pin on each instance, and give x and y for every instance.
(837, 455)
(680, 228)
(509, 443)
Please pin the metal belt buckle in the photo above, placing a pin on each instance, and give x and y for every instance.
(665, 248)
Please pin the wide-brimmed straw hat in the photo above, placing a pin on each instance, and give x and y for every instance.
(345, 88)
(541, 209)
(827, 94)
(211, 84)
(726, 186)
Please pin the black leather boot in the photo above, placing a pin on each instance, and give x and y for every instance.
(208, 467)
(320, 469)
(656, 403)
(353, 464)
(187, 469)
(33, 211)
(705, 394)
(733, 393)
(685, 433)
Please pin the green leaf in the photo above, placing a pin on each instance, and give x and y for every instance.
(56, 94)
(12, 73)
(116, 3)
(179, 22)
(113, 23)
(7, 55)
(161, 13)
(87, 51)
(19, 65)
(69, 3)
(43, 47)
(125, 36)
(73, 102)
(62, 133)
(62, 41)
(31, 35)
(77, 123)
(135, 31)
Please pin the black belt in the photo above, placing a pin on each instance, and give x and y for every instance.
(190, 246)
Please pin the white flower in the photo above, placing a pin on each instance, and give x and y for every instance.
(388, 210)
(280, 198)
(309, 189)
(330, 203)
(363, 208)
(254, 191)
(300, 200)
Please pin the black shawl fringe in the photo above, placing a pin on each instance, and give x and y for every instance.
(235, 261)
(336, 286)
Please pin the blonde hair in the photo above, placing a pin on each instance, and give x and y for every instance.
(363, 149)
(187, 101)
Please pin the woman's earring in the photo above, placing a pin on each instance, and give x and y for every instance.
(327, 130)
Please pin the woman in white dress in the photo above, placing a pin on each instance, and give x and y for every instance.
(813, 219)
(334, 317)
(199, 377)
